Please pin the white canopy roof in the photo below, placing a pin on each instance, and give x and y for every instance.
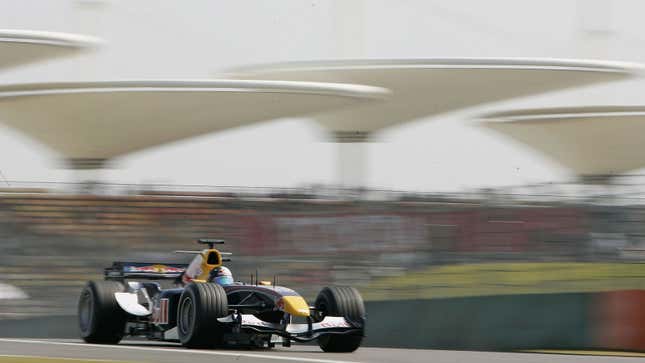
(602, 140)
(19, 47)
(105, 119)
(427, 87)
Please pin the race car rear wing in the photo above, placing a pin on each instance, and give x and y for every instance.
(144, 270)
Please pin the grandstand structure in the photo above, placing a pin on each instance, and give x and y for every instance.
(23, 47)
(423, 88)
(591, 142)
(598, 145)
(89, 123)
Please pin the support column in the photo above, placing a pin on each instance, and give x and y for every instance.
(349, 28)
(86, 175)
(352, 158)
(609, 222)
(90, 16)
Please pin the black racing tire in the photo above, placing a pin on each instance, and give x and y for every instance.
(199, 307)
(340, 301)
(100, 318)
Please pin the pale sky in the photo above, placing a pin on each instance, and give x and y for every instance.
(155, 39)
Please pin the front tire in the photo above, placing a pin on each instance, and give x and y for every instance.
(101, 319)
(340, 301)
(199, 307)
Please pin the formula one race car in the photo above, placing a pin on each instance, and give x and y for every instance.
(204, 311)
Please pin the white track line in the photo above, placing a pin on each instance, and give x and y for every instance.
(58, 358)
(185, 351)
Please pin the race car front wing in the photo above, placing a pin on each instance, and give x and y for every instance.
(297, 332)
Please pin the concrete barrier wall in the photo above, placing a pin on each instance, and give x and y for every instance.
(487, 323)
(491, 322)
(603, 320)
(63, 326)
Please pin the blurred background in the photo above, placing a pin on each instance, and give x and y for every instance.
(481, 238)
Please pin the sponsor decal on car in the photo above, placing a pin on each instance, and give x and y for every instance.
(154, 269)
(333, 323)
(252, 320)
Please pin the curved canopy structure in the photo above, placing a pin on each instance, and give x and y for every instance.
(427, 87)
(101, 120)
(20, 47)
(602, 140)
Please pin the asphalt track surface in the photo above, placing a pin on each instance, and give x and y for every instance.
(139, 351)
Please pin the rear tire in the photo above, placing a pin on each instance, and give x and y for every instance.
(199, 307)
(340, 301)
(101, 319)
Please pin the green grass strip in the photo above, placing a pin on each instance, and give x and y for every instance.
(507, 278)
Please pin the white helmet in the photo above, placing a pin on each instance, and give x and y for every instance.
(223, 276)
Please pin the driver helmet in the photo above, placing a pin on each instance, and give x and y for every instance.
(223, 276)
